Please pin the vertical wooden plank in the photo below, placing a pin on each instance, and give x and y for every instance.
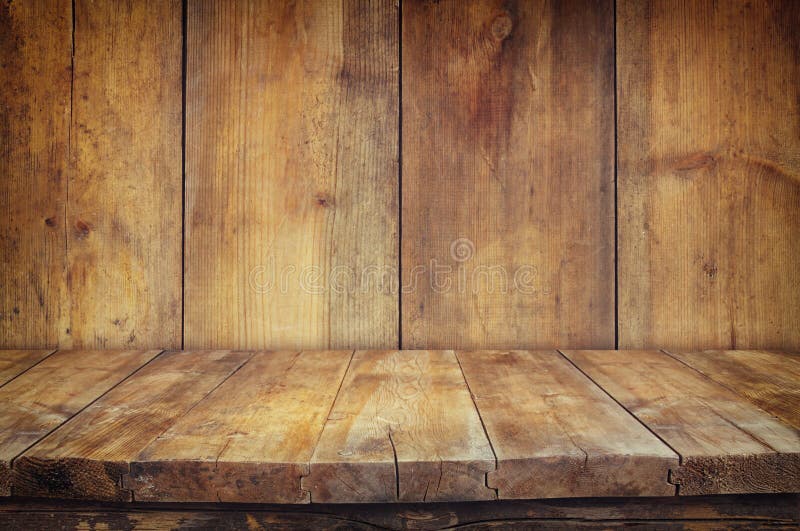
(508, 171)
(124, 211)
(88, 456)
(403, 428)
(709, 224)
(14, 362)
(771, 380)
(49, 394)
(35, 74)
(291, 169)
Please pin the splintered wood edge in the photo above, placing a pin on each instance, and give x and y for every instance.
(71, 477)
(404, 481)
(217, 481)
(774, 473)
(570, 476)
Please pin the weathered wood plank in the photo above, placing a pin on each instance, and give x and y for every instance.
(14, 362)
(51, 392)
(727, 444)
(87, 456)
(292, 175)
(251, 439)
(709, 226)
(771, 380)
(556, 434)
(680, 513)
(403, 428)
(35, 75)
(124, 213)
(508, 204)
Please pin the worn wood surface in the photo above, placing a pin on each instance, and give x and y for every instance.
(50, 393)
(87, 456)
(771, 380)
(503, 194)
(35, 74)
(709, 158)
(556, 434)
(726, 444)
(695, 512)
(403, 428)
(15, 362)
(291, 174)
(251, 439)
(124, 209)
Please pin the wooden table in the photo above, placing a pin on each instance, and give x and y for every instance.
(397, 427)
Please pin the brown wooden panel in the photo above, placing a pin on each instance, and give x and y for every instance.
(35, 74)
(709, 158)
(771, 380)
(291, 174)
(727, 445)
(403, 428)
(124, 210)
(51, 392)
(673, 513)
(508, 172)
(251, 439)
(14, 362)
(556, 434)
(87, 456)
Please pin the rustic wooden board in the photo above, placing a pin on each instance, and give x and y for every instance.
(124, 211)
(48, 394)
(708, 143)
(771, 380)
(678, 513)
(556, 434)
(251, 439)
(15, 362)
(727, 445)
(87, 456)
(403, 428)
(35, 74)
(508, 172)
(292, 175)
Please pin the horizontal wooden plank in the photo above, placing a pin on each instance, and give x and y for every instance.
(251, 439)
(54, 390)
(727, 444)
(87, 456)
(403, 428)
(14, 362)
(556, 434)
(678, 513)
(771, 380)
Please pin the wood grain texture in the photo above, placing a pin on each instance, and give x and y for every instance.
(124, 208)
(35, 73)
(709, 166)
(556, 434)
(53, 391)
(251, 439)
(679, 513)
(727, 445)
(292, 174)
(403, 428)
(771, 380)
(508, 172)
(14, 362)
(88, 456)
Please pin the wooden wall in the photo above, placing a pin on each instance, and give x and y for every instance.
(375, 174)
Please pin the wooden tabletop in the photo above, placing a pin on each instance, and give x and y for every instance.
(396, 426)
